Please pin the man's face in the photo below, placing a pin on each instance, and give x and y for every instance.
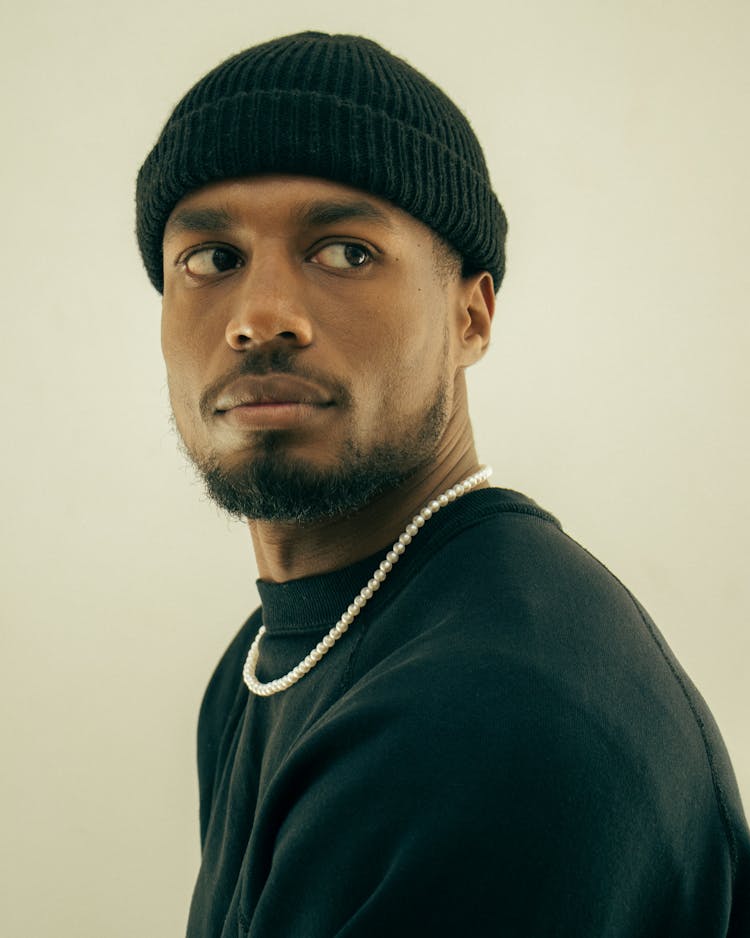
(309, 342)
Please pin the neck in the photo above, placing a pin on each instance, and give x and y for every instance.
(288, 551)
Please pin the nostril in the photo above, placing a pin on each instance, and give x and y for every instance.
(287, 335)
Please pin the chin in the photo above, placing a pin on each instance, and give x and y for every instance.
(284, 488)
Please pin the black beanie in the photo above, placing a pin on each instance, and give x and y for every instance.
(337, 107)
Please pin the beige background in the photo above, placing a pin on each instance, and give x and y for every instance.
(616, 394)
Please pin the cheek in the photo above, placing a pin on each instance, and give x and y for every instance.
(406, 359)
(173, 351)
(180, 347)
(183, 343)
(170, 334)
(418, 347)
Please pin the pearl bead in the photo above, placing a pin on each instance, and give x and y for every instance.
(360, 601)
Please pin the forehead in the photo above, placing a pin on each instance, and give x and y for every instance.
(301, 201)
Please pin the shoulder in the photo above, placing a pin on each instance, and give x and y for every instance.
(508, 786)
(223, 686)
(222, 707)
(514, 664)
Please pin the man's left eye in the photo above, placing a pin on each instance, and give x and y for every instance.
(343, 256)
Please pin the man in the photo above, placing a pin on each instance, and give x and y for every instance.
(446, 718)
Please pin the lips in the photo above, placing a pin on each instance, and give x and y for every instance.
(265, 390)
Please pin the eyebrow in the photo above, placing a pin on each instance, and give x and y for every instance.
(200, 219)
(322, 213)
(312, 214)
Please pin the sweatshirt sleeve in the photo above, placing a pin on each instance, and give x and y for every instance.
(423, 805)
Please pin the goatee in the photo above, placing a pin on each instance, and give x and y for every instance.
(273, 486)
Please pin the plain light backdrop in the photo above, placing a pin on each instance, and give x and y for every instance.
(616, 393)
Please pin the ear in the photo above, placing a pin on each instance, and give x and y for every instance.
(476, 307)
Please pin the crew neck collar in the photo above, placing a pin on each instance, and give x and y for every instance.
(311, 602)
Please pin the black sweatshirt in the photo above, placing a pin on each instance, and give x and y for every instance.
(501, 745)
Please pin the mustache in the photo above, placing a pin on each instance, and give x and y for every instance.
(277, 361)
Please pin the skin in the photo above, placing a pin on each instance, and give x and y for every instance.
(376, 327)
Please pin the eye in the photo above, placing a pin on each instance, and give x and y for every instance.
(211, 260)
(343, 256)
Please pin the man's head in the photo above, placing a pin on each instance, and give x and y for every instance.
(319, 218)
(334, 107)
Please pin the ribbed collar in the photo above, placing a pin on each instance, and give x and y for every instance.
(311, 602)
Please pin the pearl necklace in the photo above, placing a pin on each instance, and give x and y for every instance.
(360, 600)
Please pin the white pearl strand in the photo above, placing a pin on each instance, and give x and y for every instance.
(360, 600)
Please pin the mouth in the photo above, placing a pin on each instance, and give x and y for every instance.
(269, 401)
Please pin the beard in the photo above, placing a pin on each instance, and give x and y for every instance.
(271, 485)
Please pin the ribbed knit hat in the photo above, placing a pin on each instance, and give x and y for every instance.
(337, 107)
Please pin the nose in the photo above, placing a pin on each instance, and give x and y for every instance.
(269, 304)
